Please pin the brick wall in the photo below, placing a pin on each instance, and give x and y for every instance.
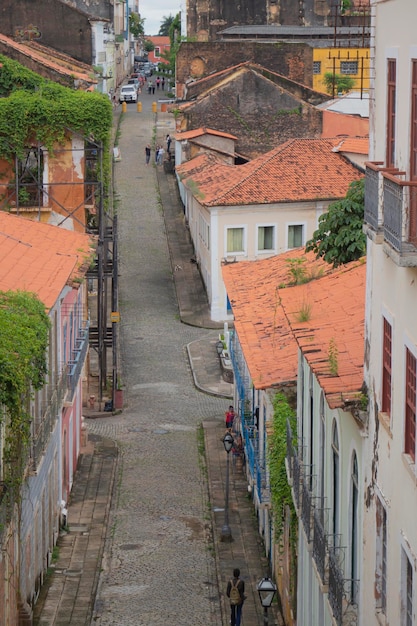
(198, 59)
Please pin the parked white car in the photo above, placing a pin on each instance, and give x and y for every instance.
(128, 93)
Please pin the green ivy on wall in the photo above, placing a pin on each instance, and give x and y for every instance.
(277, 451)
(34, 109)
(24, 332)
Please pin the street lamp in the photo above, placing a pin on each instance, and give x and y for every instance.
(219, 347)
(266, 590)
(226, 534)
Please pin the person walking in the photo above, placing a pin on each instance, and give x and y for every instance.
(236, 593)
(163, 83)
(148, 153)
(230, 417)
(160, 155)
(168, 140)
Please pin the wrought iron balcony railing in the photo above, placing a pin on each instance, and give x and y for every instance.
(76, 364)
(320, 550)
(50, 413)
(306, 508)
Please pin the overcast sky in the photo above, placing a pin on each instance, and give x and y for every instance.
(155, 10)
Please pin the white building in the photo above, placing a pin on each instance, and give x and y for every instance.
(390, 492)
(259, 209)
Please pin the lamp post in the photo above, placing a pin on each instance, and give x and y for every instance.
(226, 534)
(266, 590)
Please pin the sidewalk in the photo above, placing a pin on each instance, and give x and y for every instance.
(70, 598)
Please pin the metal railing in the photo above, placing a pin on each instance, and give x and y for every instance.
(336, 586)
(306, 507)
(399, 205)
(76, 364)
(373, 215)
(320, 544)
(49, 416)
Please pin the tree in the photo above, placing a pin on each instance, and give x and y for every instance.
(339, 237)
(136, 24)
(148, 45)
(336, 83)
(175, 40)
(165, 25)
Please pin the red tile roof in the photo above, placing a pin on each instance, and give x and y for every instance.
(198, 132)
(267, 321)
(357, 145)
(40, 258)
(299, 170)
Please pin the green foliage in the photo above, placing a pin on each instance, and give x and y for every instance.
(35, 109)
(304, 314)
(165, 25)
(338, 83)
(175, 41)
(148, 46)
(24, 331)
(136, 24)
(333, 354)
(339, 237)
(277, 450)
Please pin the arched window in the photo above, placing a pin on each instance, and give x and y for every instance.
(336, 473)
(354, 575)
(322, 445)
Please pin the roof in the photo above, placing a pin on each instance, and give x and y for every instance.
(267, 314)
(356, 145)
(332, 340)
(352, 103)
(52, 60)
(40, 258)
(198, 132)
(299, 170)
(265, 335)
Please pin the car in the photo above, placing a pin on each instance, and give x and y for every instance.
(128, 93)
(135, 82)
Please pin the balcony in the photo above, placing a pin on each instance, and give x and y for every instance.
(320, 548)
(76, 364)
(391, 213)
(306, 508)
(50, 412)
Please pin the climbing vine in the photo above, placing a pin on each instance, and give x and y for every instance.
(34, 109)
(24, 331)
(277, 450)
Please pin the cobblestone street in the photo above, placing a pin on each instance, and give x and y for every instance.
(158, 567)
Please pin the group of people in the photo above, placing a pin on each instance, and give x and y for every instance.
(159, 82)
(159, 151)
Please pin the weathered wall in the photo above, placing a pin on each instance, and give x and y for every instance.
(258, 112)
(198, 59)
(205, 18)
(50, 22)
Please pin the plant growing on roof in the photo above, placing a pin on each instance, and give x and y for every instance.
(333, 357)
(339, 238)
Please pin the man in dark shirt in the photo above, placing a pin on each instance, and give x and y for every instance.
(236, 606)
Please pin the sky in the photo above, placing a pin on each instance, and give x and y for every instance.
(155, 10)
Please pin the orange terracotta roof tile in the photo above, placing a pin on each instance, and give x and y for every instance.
(332, 340)
(40, 258)
(266, 317)
(264, 332)
(357, 145)
(299, 170)
(198, 132)
(59, 62)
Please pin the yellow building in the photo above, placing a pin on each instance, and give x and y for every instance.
(352, 62)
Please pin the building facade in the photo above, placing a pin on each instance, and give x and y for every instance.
(390, 496)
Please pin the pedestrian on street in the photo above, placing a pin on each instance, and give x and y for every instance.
(148, 153)
(163, 83)
(158, 82)
(157, 149)
(236, 594)
(168, 140)
(230, 417)
(153, 87)
(160, 155)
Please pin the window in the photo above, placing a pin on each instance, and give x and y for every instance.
(381, 557)
(335, 502)
(30, 168)
(295, 236)
(322, 447)
(410, 405)
(157, 52)
(204, 231)
(316, 67)
(235, 240)
(412, 231)
(354, 528)
(391, 96)
(266, 238)
(406, 590)
(349, 67)
(386, 367)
